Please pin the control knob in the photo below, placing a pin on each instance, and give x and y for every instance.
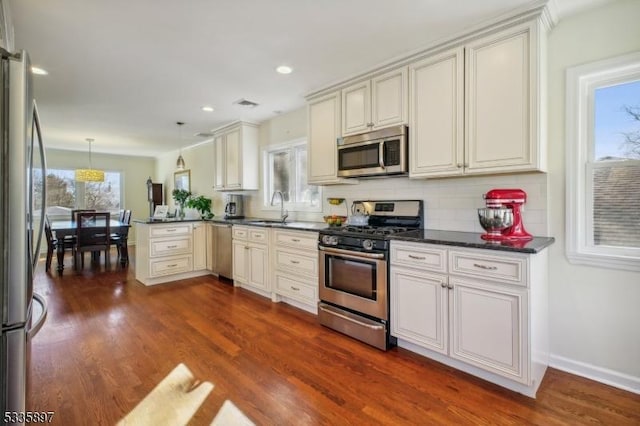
(330, 240)
(367, 244)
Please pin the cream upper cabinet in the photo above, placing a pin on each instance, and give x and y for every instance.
(376, 103)
(436, 115)
(503, 121)
(236, 151)
(475, 109)
(323, 131)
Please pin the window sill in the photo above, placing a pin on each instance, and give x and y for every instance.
(626, 263)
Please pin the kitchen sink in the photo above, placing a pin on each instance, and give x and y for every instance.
(265, 222)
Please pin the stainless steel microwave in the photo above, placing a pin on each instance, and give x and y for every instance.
(378, 153)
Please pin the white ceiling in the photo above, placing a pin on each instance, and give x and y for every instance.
(123, 72)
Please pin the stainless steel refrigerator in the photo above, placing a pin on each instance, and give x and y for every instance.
(22, 209)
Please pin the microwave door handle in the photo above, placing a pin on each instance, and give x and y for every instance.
(381, 154)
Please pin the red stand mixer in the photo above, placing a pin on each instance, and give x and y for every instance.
(502, 218)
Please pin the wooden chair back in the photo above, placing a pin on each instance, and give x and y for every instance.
(126, 217)
(93, 231)
(74, 213)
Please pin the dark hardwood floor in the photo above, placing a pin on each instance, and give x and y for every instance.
(109, 340)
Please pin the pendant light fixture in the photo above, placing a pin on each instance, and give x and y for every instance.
(180, 162)
(90, 174)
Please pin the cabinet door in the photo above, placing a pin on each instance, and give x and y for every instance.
(324, 129)
(419, 308)
(356, 108)
(258, 266)
(218, 182)
(240, 259)
(199, 246)
(499, 102)
(389, 99)
(488, 327)
(211, 249)
(233, 172)
(436, 132)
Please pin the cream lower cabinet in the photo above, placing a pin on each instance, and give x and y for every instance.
(199, 246)
(295, 268)
(483, 313)
(169, 252)
(251, 259)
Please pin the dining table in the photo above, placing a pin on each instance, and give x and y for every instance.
(67, 228)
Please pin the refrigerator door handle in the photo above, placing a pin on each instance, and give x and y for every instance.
(37, 325)
(36, 131)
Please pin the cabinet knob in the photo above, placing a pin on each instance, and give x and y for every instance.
(459, 165)
(443, 285)
(450, 286)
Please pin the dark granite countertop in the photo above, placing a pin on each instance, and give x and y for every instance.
(253, 221)
(473, 240)
(149, 221)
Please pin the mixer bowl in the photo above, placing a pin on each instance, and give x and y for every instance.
(494, 221)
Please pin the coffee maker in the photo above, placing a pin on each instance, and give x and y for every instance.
(233, 208)
(502, 218)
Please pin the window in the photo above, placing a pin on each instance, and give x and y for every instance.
(603, 163)
(65, 194)
(285, 169)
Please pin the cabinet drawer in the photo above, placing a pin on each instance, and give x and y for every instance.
(259, 235)
(240, 233)
(171, 266)
(295, 289)
(507, 269)
(419, 256)
(170, 247)
(297, 263)
(169, 231)
(301, 240)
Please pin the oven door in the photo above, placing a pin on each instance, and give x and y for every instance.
(354, 280)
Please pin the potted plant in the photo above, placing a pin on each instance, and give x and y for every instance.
(180, 196)
(202, 204)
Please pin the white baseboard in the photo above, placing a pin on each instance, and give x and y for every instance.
(599, 374)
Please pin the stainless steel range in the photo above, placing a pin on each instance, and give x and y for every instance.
(354, 273)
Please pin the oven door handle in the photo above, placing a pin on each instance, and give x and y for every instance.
(352, 254)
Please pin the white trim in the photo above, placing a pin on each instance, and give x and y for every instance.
(266, 179)
(599, 374)
(581, 82)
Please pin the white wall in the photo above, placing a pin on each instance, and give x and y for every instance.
(136, 171)
(595, 313)
(199, 161)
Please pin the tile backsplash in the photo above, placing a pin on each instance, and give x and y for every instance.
(450, 204)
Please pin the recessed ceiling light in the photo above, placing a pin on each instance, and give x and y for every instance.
(38, 71)
(283, 69)
(207, 108)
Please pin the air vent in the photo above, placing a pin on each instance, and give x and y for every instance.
(246, 103)
(204, 134)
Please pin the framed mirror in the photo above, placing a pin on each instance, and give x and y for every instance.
(182, 180)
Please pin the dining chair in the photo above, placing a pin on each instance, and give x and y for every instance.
(53, 243)
(93, 235)
(74, 213)
(119, 239)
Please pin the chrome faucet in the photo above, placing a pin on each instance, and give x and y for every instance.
(283, 213)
